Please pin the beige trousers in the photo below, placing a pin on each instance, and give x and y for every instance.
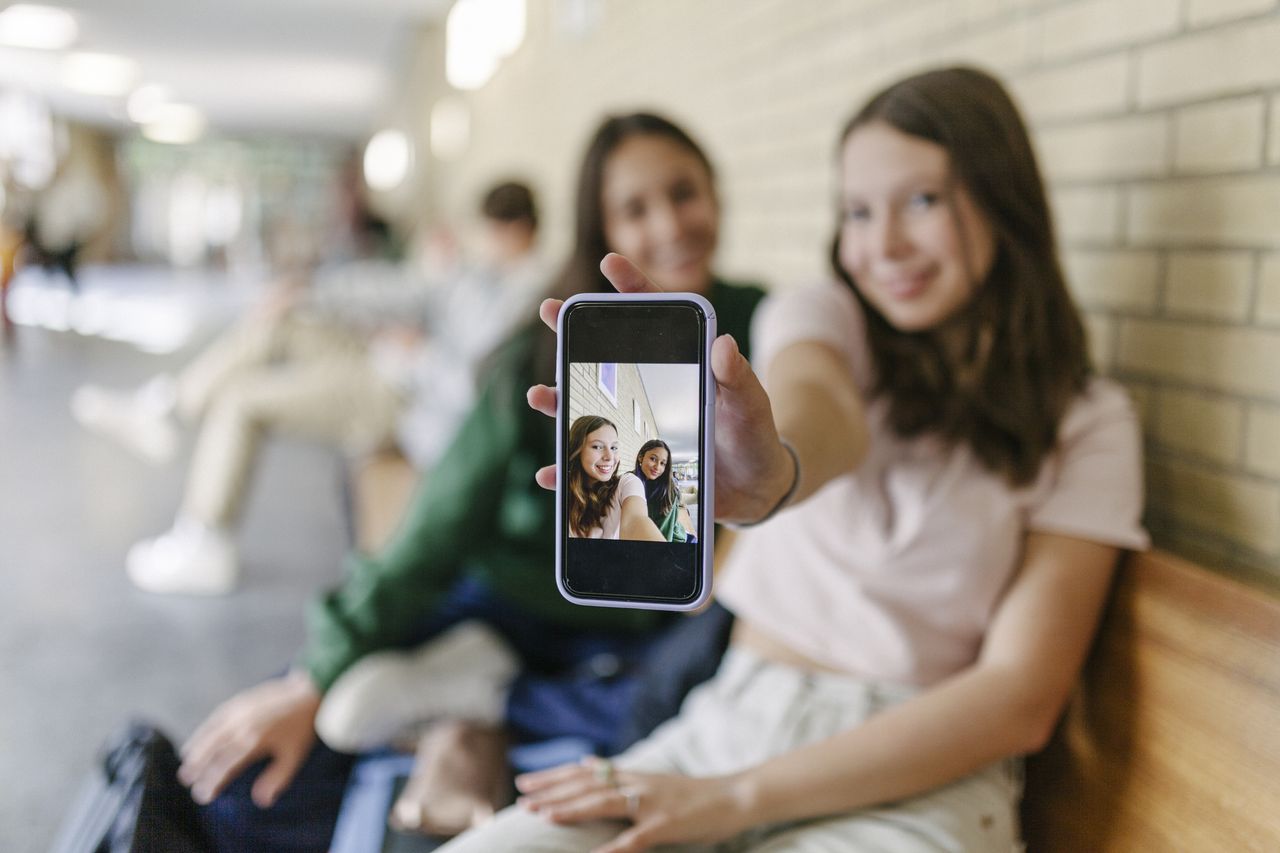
(754, 710)
(293, 375)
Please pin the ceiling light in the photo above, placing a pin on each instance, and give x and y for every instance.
(145, 102)
(37, 27)
(99, 73)
(174, 124)
(479, 34)
(387, 160)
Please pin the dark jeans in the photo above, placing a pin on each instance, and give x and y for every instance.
(609, 689)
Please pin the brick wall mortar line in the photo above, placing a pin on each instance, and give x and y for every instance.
(1147, 42)
(1162, 283)
(1242, 454)
(1061, 122)
(1239, 559)
(1202, 464)
(1255, 287)
(1268, 109)
(1127, 376)
(1171, 128)
(1113, 345)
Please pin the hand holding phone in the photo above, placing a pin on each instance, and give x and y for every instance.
(751, 459)
(752, 469)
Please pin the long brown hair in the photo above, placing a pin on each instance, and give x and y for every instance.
(589, 499)
(1024, 355)
(665, 489)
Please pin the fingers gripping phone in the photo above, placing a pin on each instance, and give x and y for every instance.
(635, 440)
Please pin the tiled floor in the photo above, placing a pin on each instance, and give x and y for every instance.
(80, 650)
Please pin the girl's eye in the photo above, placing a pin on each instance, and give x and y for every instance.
(683, 191)
(923, 200)
(857, 213)
(633, 210)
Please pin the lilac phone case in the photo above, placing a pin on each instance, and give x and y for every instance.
(706, 495)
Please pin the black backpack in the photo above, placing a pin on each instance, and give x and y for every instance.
(133, 802)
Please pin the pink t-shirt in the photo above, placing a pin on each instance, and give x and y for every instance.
(629, 486)
(894, 571)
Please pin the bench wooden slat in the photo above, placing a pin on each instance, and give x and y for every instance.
(1172, 741)
(383, 488)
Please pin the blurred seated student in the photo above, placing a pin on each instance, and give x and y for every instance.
(320, 366)
(455, 633)
(946, 487)
(662, 491)
(68, 214)
(604, 504)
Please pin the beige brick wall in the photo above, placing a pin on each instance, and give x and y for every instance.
(1158, 123)
(588, 398)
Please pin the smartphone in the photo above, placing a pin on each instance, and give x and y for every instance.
(635, 439)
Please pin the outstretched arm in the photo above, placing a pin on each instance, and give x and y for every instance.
(636, 523)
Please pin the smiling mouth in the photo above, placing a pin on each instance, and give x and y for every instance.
(683, 260)
(908, 287)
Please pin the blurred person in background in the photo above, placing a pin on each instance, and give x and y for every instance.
(65, 216)
(342, 362)
(454, 634)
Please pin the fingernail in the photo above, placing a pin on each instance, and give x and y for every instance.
(200, 795)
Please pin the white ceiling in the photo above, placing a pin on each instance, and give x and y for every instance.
(295, 66)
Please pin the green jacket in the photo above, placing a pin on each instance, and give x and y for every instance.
(669, 525)
(478, 513)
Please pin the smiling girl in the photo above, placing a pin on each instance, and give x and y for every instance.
(602, 504)
(475, 546)
(955, 487)
(662, 491)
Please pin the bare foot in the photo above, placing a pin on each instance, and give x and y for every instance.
(460, 779)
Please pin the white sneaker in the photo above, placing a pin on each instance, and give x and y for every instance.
(141, 420)
(191, 559)
(464, 674)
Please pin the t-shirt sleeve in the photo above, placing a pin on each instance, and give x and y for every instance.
(1094, 487)
(827, 313)
(629, 486)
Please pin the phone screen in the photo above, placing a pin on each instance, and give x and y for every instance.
(633, 438)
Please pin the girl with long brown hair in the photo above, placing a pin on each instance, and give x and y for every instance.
(662, 491)
(604, 504)
(946, 488)
(476, 544)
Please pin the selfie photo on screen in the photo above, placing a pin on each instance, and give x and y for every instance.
(633, 451)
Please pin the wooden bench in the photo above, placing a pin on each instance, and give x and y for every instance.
(1172, 741)
(378, 490)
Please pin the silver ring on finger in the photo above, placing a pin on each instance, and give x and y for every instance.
(632, 796)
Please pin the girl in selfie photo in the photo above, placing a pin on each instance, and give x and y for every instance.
(602, 504)
(947, 486)
(662, 492)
